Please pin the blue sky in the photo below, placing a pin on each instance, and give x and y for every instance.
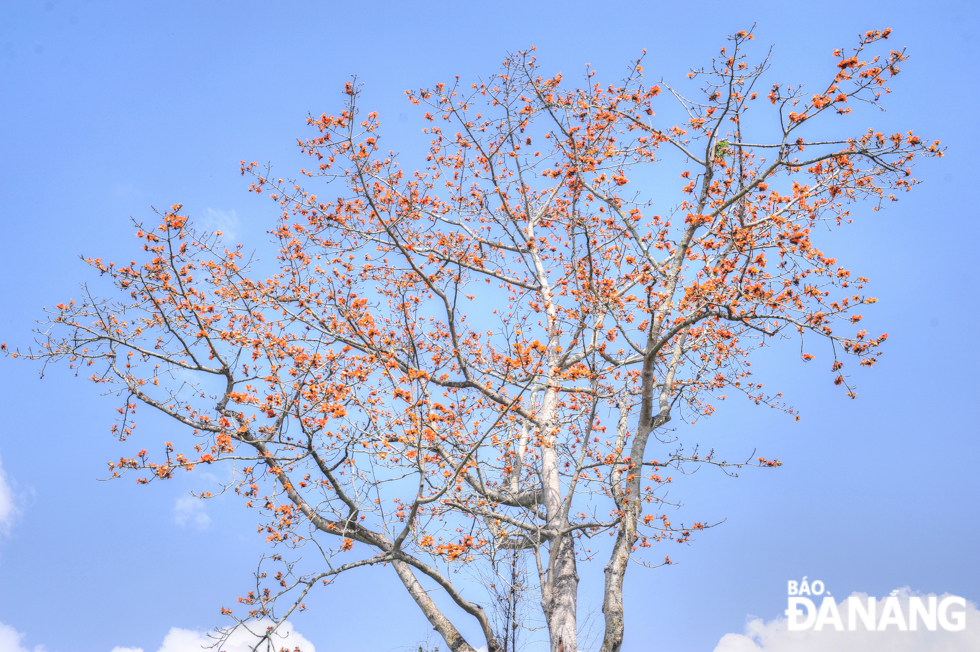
(109, 108)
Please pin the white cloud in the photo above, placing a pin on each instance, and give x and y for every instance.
(775, 636)
(190, 510)
(242, 640)
(216, 220)
(188, 640)
(10, 640)
(8, 508)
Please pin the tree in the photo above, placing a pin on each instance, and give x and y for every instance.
(471, 365)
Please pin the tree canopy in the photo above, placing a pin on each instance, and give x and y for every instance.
(474, 362)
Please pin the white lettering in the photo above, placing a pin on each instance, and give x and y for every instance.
(813, 587)
(793, 584)
(855, 608)
(892, 615)
(829, 615)
(918, 610)
(959, 617)
(792, 613)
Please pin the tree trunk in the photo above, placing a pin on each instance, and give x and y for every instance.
(612, 602)
(562, 597)
(559, 595)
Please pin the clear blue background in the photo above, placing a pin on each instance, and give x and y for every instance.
(107, 108)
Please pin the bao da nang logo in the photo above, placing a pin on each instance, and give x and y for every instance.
(812, 607)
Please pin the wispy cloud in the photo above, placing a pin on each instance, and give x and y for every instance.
(775, 636)
(191, 511)
(217, 220)
(8, 506)
(127, 191)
